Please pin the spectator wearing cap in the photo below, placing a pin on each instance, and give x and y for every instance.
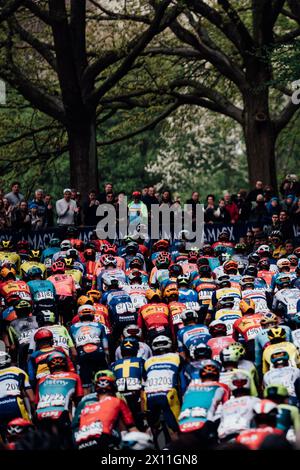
(66, 209)
(14, 197)
(137, 210)
(38, 201)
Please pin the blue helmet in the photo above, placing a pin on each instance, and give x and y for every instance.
(34, 271)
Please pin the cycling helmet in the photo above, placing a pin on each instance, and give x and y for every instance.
(33, 272)
(105, 381)
(240, 248)
(293, 259)
(247, 306)
(283, 281)
(269, 318)
(132, 331)
(136, 262)
(200, 351)
(129, 347)
(43, 335)
(58, 267)
(297, 252)
(35, 254)
(238, 347)
(275, 391)
(110, 282)
(78, 245)
(226, 301)
(251, 270)
(230, 267)
(284, 263)
(253, 258)
(153, 295)
(89, 254)
(183, 279)
(230, 355)
(135, 276)
(84, 300)
(171, 291)
(280, 357)
(175, 270)
(57, 361)
(207, 250)
(54, 243)
(72, 231)
(160, 245)
(132, 248)
(69, 262)
(189, 315)
(223, 281)
(5, 360)
(137, 440)
(45, 316)
(17, 427)
(263, 251)
(276, 234)
(6, 245)
(94, 294)
(86, 312)
(22, 246)
(217, 328)
(247, 282)
(7, 273)
(240, 383)
(109, 249)
(264, 264)
(277, 334)
(161, 344)
(210, 369)
(265, 412)
(109, 260)
(163, 260)
(23, 308)
(65, 245)
(223, 237)
(72, 253)
(193, 256)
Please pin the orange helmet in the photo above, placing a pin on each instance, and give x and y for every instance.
(84, 300)
(170, 290)
(94, 294)
(230, 265)
(160, 245)
(8, 272)
(247, 306)
(152, 294)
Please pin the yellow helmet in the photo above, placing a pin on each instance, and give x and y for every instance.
(171, 289)
(277, 334)
(94, 294)
(247, 306)
(84, 300)
(8, 272)
(151, 294)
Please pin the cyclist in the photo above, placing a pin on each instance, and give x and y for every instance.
(282, 373)
(34, 260)
(247, 327)
(219, 338)
(191, 334)
(277, 341)
(42, 291)
(65, 289)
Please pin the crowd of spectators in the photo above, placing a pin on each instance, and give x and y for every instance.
(260, 206)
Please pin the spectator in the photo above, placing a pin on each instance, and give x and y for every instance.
(290, 185)
(255, 192)
(285, 225)
(289, 247)
(210, 208)
(150, 198)
(273, 206)
(243, 205)
(14, 197)
(145, 191)
(66, 208)
(4, 221)
(259, 213)
(231, 208)
(90, 209)
(35, 218)
(289, 203)
(137, 209)
(49, 211)
(38, 201)
(9, 210)
(22, 220)
(193, 202)
(110, 198)
(268, 193)
(166, 198)
(78, 215)
(221, 215)
(108, 188)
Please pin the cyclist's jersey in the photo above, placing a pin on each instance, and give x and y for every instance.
(120, 306)
(189, 297)
(111, 273)
(15, 290)
(11, 257)
(102, 417)
(43, 292)
(27, 265)
(101, 316)
(176, 309)
(55, 392)
(144, 276)
(205, 289)
(285, 376)
(266, 276)
(289, 298)
(157, 276)
(76, 275)
(273, 286)
(61, 338)
(153, 316)
(200, 403)
(12, 381)
(129, 374)
(262, 340)
(259, 297)
(86, 399)
(290, 348)
(219, 343)
(144, 351)
(228, 317)
(236, 415)
(162, 373)
(226, 375)
(89, 336)
(253, 438)
(64, 284)
(21, 330)
(137, 294)
(49, 253)
(296, 338)
(191, 335)
(37, 363)
(225, 292)
(248, 327)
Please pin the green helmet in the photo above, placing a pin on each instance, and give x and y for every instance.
(54, 242)
(104, 373)
(275, 391)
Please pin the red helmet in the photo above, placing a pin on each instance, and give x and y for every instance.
(18, 426)
(160, 245)
(58, 267)
(193, 256)
(109, 249)
(163, 260)
(43, 334)
(23, 246)
(78, 245)
(89, 254)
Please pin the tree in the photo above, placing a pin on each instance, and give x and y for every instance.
(47, 55)
(228, 52)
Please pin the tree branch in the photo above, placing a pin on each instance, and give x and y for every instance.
(285, 116)
(120, 16)
(9, 9)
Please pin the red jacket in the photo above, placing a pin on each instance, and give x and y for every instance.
(233, 211)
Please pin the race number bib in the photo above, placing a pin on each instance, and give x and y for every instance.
(193, 305)
(159, 381)
(9, 387)
(129, 383)
(43, 295)
(25, 336)
(125, 307)
(87, 338)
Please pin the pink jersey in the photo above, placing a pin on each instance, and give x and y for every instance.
(64, 284)
(219, 343)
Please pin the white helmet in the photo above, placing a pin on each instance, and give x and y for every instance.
(188, 315)
(5, 360)
(136, 440)
(65, 245)
(283, 262)
(161, 343)
(132, 330)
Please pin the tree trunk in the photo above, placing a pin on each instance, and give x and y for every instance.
(260, 136)
(83, 157)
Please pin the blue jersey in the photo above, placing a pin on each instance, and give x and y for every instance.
(42, 292)
(120, 306)
(86, 334)
(200, 402)
(191, 335)
(189, 297)
(113, 273)
(129, 374)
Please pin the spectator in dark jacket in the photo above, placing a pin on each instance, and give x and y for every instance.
(210, 208)
(252, 195)
(90, 209)
(221, 215)
(244, 206)
(285, 225)
(259, 214)
(22, 218)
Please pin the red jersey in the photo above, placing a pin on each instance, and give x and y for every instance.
(154, 316)
(248, 326)
(219, 343)
(253, 438)
(15, 290)
(266, 276)
(102, 418)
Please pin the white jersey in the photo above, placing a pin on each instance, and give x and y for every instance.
(259, 298)
(236, 415)
(284, 376)
(137, 294)
(296, 338)
(289, 298)
(144, 351)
